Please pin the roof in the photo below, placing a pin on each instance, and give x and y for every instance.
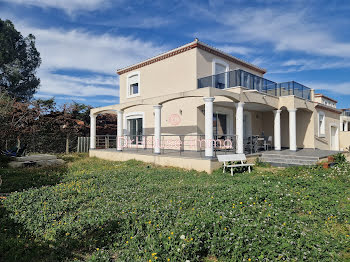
(322, 95)
(189, 46)
(328, 108)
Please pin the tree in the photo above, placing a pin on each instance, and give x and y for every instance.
(19, 60)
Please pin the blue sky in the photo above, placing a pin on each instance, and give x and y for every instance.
(83, 42)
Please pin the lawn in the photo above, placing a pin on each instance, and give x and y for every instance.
(95, 210)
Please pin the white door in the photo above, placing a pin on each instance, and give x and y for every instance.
(334, 138)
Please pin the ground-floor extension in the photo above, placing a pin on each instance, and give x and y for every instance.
(206, 119)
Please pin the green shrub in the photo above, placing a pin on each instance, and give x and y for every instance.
(339, 158)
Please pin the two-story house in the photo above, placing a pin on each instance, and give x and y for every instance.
(192, 98)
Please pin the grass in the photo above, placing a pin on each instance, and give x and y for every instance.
(95, 210)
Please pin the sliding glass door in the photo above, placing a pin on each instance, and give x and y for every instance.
(135, 130)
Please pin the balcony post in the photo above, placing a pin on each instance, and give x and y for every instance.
(209, 137)
(157, 128)
(239, 128)
(292, 130)
(277, 129)
(92, 131)
(120, 134)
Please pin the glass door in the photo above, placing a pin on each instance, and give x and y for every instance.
(135, 130)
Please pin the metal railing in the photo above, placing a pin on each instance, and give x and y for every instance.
(346, 113)
(192, 145)
(248, 80)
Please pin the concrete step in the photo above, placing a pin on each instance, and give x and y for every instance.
(276, 156)
(288, 160)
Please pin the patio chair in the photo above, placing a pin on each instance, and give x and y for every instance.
(15, 151)
(268, 143)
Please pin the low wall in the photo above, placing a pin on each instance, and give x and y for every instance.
(344, 140)
(206, 165)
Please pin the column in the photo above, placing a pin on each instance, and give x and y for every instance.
(92, 131)
(346, 126)
(277, 129)
(239, 128)
(292, 129)
(209, 137)
(120, 133)
(157, 128)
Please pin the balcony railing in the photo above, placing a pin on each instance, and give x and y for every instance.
(346, 113)
(245, 79)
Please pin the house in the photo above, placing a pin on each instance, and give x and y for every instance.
(345, 129)
(196, 101)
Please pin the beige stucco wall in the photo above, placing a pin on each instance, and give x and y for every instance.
(331, 118)
(168, 76)
(344, 140)
(205, 64)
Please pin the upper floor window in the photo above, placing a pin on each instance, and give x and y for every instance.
(133, 84)
(321, 124)
(220, 78)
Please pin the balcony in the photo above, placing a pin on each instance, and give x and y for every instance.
(346, 113)
(245, 79)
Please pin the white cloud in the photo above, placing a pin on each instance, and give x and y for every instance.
(58, 85)
(77, 49)
(298, 65)
(232, 49)
(69, 6)
(340, 88)
(284, 29)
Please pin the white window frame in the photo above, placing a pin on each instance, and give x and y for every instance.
(336, 135)
(128, 95)
(322, 127)
(223, 63)
(134, 115)
(220, 62)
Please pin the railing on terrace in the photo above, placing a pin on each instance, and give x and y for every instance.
(240, 77)
(191, 145)
(346, 113)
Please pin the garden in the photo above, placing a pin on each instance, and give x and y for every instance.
(97, 210)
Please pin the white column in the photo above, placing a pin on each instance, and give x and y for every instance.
(120, 133)
(277, 129)
(157, 128)
(209, 137)
(346, 127)
(292, 129)
(239, 128)
(92, 131)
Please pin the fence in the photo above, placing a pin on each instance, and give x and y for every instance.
(42, 143)
(83, 144)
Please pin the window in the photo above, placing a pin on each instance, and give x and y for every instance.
(321, 124)
(219, 125)
(219, 69)
(135, 130)
(133, 84)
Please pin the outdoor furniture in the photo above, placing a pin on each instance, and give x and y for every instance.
(15, 151)
(229, 160)
(251, 144)
(268, 143)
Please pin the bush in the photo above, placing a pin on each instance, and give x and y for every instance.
(339, 158)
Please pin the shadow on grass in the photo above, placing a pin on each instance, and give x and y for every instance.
(16, 244)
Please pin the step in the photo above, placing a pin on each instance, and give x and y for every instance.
(288, 160)
(278, 156)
